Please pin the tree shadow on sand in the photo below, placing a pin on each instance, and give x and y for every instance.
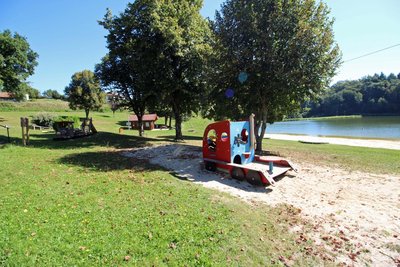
(189, 171)
(185, 163)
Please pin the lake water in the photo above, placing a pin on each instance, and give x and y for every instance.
(366, 127)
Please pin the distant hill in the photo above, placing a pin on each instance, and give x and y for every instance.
(35, 105)
(372, 95)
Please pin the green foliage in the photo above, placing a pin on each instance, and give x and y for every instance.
(74, 119)
(54, 94)
(17, 62)
(157, 51)
(33, 93)
(43, 119)
(273, 55)
(84, 92)
(375, 94)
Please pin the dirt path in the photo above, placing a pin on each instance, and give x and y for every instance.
(354, 215)
(374, 143)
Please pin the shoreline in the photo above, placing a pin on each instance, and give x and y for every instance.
(371, 143)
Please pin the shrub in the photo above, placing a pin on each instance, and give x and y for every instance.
(6, 106)
(43, 119)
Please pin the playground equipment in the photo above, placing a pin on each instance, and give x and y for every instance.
(229, 147)
(65, 129)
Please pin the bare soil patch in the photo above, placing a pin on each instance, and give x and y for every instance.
(354, 215)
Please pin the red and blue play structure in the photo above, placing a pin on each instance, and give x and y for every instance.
(230, 147)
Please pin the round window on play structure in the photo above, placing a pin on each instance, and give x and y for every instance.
(244, 135)
(212, 140)
(224, 137)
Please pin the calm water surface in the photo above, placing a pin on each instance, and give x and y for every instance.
(367, 127)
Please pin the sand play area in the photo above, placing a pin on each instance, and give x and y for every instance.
(354, 215)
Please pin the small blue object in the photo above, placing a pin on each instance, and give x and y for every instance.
(243, 76)
(229, 93)
(271, 167)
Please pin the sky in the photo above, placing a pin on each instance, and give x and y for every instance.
(68, 39)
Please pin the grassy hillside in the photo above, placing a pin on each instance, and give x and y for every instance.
(35, 105)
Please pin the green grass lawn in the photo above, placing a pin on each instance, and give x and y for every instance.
(78, 202)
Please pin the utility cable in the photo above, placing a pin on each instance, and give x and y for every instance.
(371, 53)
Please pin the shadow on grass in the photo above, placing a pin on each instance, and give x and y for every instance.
(5, 141)
(185, 137)
(106, 161)
(102, 139)
(122, 123)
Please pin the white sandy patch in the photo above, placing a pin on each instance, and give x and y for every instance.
(373, 143)
(354, 214)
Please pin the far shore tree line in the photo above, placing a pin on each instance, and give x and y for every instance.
(371, 95)
(266, 57)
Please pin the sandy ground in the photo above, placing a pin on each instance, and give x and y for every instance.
(354, 215)
(374, 143)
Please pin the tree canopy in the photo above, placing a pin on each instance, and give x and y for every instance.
(54, 94)
(271, 56)
(17, 63)
(126, 69)
(370, 95)
(157, 50)
(84, 92)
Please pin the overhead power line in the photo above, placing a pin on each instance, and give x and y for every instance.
(380, 50)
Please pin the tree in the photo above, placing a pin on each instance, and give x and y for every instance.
(114, 100)
(54, 94)
(32, 92)
(185, 45)
(157, 49)
(84, 92)
(272, 55)
(17, 62)
(126, 69)
(376, 94)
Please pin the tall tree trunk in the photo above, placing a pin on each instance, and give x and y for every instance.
(87, 113)
(178, 127)
(178, 121)
(140, 124)
(260, 136)
(166, 120)
(170, 121)
(261, 126)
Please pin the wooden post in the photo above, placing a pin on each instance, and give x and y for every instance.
(25, 131)
(8, 133)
